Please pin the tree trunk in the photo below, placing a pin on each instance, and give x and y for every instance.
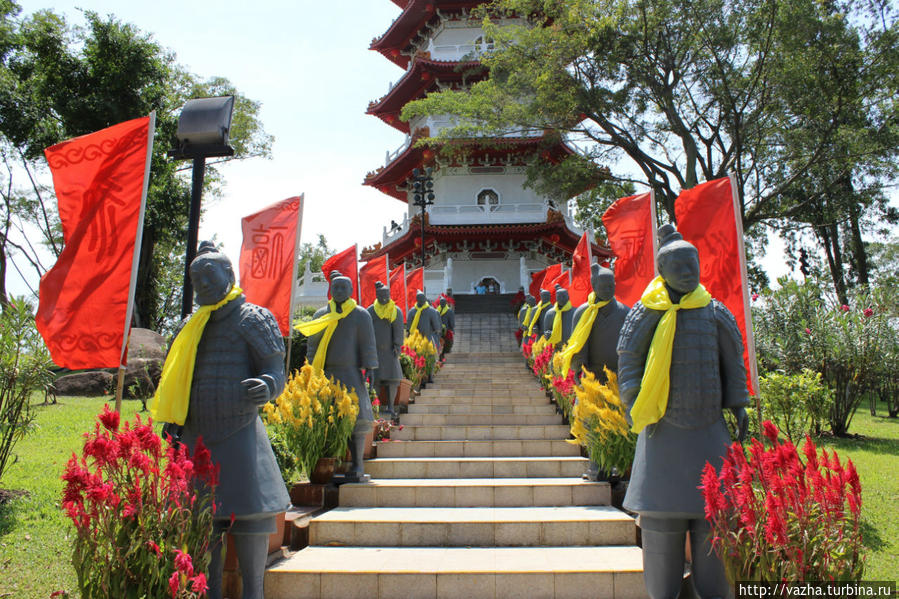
(829, 236)
(857, 245)
(4, 299)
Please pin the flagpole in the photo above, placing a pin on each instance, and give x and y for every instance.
(293, 283)
(135, 262)
(744, 273)
(356, 282)
(655, 229)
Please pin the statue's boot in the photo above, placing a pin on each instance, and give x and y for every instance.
(391, 397)
(252, 553)
(663, 556)
(216, 562)
(357, 451)
(709, 579)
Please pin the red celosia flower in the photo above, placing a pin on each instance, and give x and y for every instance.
(868, 312)
(183, 563)
(155, 548)
(711, 491)
(198, 584)
(174, 584)
(109, 418)
(770, 431)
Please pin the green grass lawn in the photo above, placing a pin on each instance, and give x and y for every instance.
(34, 534)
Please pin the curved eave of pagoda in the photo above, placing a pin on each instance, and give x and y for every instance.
(554, 233)
(403, 30)
(391, 177)
(417, 81)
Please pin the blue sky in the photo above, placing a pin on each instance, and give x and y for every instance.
(309, 65)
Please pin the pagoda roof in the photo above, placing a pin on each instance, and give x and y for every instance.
(554, 233)
(417, 81)
(416, 13)
(390, 178)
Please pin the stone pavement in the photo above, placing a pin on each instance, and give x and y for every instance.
(478, 496)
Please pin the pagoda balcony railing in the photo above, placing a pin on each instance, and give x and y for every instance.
(494, 214)
(454, 52)
(391, 156)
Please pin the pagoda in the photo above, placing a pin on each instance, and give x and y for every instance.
(484, 227)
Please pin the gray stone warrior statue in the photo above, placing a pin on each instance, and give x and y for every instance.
(535, 327)
(428, 324)
(558, 332)
(387, 319)
(706, 376)
(351, 349)
(448, 322)
(526, 310)
(239, 366)
(600, 349)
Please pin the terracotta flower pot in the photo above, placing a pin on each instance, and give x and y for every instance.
(323, 471)
(403, 393)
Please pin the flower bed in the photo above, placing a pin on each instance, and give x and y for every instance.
(598, 424)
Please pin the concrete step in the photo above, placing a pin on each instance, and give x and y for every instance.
(473, 527)
(482, 419)
(486, 448)
(474, 492)
(484, 467)
(484, 409)
(456, 572)
(482, 432)
(453, 382)
(532, 398)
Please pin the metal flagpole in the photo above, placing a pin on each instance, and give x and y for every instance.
(655, 229)
(293, 283)
(135, 261)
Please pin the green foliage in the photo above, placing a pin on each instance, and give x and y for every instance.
(24, 369)
(796, 403)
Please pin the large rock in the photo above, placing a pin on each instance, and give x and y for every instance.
(148, 344)
(141, 377)
(85, 384)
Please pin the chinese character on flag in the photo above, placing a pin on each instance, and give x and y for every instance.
(631, 230)
(398, 288)
(268, 258)
(373, 271)
(580, 272)
(415, 282)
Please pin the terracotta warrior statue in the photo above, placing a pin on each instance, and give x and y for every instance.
(604, 315)
(239, 366)
(388, 323)
(706, 376)
(350, 350)
(535, 327)
(428, 324)
(558, 330)
(524, 315)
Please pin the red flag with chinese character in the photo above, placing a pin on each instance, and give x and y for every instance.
(563, 280)
(268, 257)
(398, 288)
(373, 271)
(346, 263)
(630, 228)
(84, 299)
(415, 282)
(707, 217)
(580, 272)
(540, 280)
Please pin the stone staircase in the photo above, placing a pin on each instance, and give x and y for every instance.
(478, 496)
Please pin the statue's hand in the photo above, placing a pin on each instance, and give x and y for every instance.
(255, 390)
(742, 423)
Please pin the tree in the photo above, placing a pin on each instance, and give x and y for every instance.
(60, 81)
(778, 93)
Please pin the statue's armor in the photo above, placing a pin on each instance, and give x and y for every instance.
(707, 376)
(567, 323)
(389, 342)
(448, 320)
(521, 314)
(601, 349)
(429, 325)
(235, 338)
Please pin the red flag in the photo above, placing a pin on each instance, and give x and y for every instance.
(100, 181)
(563, 280)
(580, 272)
(268, 258)
(415, 282)
(536, 281)
(373, 271)
(398, 288)
(346, 263)
(630, 226)
(540, 280)
(707, 217)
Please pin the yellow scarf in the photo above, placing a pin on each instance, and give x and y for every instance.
(443, 309)
(556, 334)
(536, 317)
(328, 323)
(527, 316)
(581, 331)
(386, 311)
(417, 317)
(172, 397)
(652, 400)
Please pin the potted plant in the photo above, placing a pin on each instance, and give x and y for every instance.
(315, 415)
(142, 524)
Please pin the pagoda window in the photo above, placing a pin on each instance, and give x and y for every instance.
(483, 44)
(488, 200)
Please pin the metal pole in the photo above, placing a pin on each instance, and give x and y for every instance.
(196, 194)
(422, 236)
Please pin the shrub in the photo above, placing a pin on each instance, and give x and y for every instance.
(776, 518)
(24, 368)
(142, 514)
(796, 403)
